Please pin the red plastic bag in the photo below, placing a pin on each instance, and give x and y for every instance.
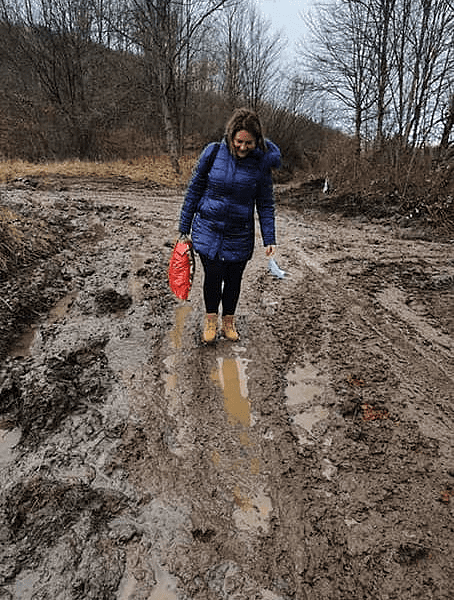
(181, 269)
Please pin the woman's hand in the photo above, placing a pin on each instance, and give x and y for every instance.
(270, 250)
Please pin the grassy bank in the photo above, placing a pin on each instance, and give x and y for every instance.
(153, 169)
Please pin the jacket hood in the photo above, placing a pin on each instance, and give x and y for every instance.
(272, 156)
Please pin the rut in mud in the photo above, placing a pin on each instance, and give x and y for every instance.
(312, 460)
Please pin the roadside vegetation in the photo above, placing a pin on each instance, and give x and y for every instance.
(154, 169)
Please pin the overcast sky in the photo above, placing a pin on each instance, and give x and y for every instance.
(285, 15)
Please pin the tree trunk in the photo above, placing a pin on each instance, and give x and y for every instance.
(449, 124)
(171, 135)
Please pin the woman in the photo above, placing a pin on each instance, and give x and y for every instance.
(231, 179)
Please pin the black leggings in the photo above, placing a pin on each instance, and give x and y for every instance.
(222, 282)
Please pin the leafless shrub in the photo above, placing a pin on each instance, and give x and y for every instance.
(400, 181)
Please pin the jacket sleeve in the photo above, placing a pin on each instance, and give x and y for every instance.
(265, 209)
(196, 189)
(265, 197)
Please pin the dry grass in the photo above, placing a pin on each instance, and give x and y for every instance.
(22, 239)
(148, 169)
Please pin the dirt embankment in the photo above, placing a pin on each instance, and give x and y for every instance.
(311, 460)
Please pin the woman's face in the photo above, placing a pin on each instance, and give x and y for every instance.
(243, 143)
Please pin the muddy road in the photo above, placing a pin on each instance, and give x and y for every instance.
(312, 460)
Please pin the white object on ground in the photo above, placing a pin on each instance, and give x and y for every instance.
(275, 270)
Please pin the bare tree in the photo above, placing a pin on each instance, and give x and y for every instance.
(75, 58)
(342, 60)
(422, 60)
(260, 58)
(51, 50)
(230, 54)
(389, 63)
(166, 33)
(448, 125)
(382, 11)
(250, 55)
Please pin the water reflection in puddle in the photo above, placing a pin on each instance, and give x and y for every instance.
(231, 377)
(25, 584)
(165, 586)
(253, 505)
(9, 438)
(304, 387)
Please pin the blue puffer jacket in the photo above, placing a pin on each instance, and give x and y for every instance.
(220, 202)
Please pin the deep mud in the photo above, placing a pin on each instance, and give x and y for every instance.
(313, 460)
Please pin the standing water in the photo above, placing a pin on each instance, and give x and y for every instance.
(254, 507)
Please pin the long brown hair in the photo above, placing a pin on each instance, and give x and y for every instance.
(244, 118)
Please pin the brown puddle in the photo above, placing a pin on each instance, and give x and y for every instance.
(176, 335)
(253, 506)
(170, 375)
(231, 377)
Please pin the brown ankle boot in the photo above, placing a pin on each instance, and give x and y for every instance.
(228, 328)
(210, 328)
